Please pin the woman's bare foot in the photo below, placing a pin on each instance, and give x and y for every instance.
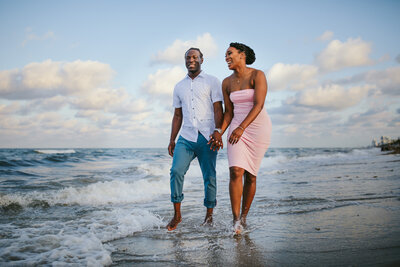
(237, 227)
(243, 220)
(174, 223)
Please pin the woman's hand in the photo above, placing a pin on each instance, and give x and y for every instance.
(216, 141)
(235, 135)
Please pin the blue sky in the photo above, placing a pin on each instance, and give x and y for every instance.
(101, 73)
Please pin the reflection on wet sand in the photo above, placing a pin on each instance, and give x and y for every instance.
(246, 252)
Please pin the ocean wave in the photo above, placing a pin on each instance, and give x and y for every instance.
(299, 205)
(100, 193)
(17, 173)
(309, 209)
(6, 164)
(358, 199)
(294, 201)
(324, 157)
(80, 242)
(55, 151)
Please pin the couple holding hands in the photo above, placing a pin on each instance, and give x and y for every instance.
(197, 100)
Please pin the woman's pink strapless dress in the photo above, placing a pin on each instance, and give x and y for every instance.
(252, 145)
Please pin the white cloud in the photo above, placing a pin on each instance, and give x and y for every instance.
(291, 76)
(83, 75)
(331, 97)
(374, 118)
(174, 54)
(9, 109)
(100, 98)
(162, 82)
(338, 55)
(64, 88)
(31, 36)
(50, 78)
(53, 103)
(326, 36)
(291, 129)
(387, 80)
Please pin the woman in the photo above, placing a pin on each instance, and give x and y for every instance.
(250, 127)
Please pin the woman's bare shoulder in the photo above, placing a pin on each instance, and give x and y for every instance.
(256, 72)
(226, 81)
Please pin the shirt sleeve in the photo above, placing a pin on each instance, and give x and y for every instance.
(176, 102)
(216, 91)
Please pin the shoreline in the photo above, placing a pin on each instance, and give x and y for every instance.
(393, 147)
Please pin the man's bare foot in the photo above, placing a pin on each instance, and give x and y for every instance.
(174, 223)
(208, 220)
(237, 227)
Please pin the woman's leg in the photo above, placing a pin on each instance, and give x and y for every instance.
(249, 190)
(236, 190)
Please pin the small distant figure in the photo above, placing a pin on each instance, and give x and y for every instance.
(198, 103)
(250, 128)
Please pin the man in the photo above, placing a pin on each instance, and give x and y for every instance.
(198, 102)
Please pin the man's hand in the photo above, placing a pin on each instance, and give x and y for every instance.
(216, 141)
(171, 148)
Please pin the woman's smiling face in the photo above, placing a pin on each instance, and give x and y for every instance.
(232, 57)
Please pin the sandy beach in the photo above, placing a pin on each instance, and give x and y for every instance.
(365, 235)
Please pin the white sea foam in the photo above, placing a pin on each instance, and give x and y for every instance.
(101, 193)
(55, 151)
(354, 154)
(152, 169)
(81, 241)
(273, 161)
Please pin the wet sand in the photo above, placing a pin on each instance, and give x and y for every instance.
(364, 235)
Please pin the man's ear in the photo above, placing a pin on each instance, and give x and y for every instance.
(201, 60)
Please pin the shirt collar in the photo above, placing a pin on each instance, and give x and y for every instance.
(201, 74)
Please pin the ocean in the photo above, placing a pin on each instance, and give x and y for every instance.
(109, 207)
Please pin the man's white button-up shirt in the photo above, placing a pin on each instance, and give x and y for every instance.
(196, 97)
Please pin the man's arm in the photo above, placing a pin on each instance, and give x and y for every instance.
(218, 114)
(175, 127)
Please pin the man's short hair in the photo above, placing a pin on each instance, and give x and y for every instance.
(194, 48)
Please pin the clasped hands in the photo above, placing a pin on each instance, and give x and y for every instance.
(216, 141)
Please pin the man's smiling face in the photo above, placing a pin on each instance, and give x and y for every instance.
(193, 60)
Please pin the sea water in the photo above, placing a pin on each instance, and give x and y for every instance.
(97, 207)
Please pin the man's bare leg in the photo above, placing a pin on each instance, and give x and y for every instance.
(208, 219)
(177, 217)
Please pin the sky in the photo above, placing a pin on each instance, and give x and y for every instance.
(101, 73)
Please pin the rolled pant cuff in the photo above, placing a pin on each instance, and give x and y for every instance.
(210, 204)
(177, 199)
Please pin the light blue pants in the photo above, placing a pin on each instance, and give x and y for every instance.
(185, 151)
